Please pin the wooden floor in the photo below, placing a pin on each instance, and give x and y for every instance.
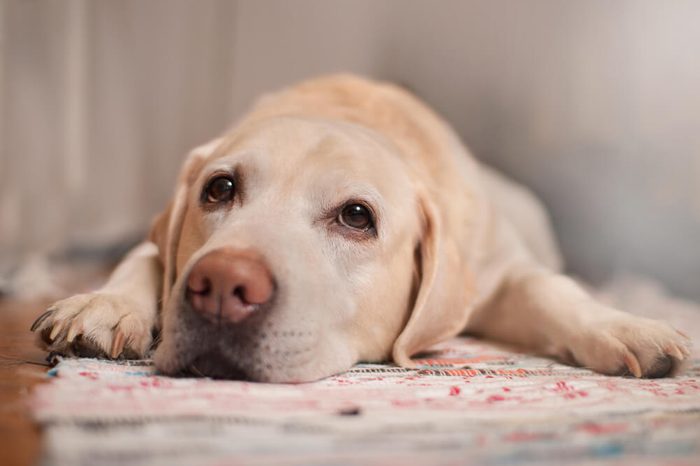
(22, 366)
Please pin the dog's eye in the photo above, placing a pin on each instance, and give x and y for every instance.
(220, 189)
(356, 216)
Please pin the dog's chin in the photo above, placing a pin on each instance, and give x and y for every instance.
(259, 351)
(215, 366)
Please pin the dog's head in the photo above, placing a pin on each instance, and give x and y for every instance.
(296, 247)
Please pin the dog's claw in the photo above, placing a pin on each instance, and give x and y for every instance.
(56, 331)
(117, 344)
(632, 364)
(39, 320)
(73, 332)
(674, 351)
(684, 350)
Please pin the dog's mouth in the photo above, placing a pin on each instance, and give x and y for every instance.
(214, 365)
(259, 349)
(242, 364)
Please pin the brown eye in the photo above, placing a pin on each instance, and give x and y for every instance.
(356, 216)
(220, 189)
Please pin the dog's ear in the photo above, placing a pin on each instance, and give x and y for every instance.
(444, 288)
(166, 228)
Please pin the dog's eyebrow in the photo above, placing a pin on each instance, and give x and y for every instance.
(223, 164)
(355, 191)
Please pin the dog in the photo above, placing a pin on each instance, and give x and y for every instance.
(340, 221)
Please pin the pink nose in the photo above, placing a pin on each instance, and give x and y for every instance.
(228, 285)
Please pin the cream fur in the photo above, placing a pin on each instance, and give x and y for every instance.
(458, 248)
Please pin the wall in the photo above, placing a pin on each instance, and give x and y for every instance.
(100, 103)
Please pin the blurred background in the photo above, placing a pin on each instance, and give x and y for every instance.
(593, 104)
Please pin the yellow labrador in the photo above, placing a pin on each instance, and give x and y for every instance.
(341, 221)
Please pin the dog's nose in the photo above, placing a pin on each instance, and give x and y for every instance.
(228, 285)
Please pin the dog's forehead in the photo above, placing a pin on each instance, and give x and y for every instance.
(299, 153)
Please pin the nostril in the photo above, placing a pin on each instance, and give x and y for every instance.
(240, 293)
(202, 288)
(257, 290)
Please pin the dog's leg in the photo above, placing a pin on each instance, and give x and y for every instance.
(553, 315)
(115, 321)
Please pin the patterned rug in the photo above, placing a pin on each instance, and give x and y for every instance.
(468, 402)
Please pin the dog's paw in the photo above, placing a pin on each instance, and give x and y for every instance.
(95, 325)
(627, 345)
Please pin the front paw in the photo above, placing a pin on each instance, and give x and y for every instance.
(95, 325)
(624, 344)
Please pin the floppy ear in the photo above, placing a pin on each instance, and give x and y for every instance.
(166, 228)
(440, 310)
